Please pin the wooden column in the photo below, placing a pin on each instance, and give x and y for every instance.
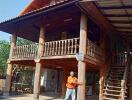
(101, 81)
(64, 82)
(37, 77)
(82, 64)
(8, 79)
(10, 67)
(13, 45)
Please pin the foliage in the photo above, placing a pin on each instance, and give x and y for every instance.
(4, 53)
(21, 41)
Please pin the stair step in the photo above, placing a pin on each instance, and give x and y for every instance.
(106, 98)
(114, 95)
(112, 90)
(112, 79)
(111, 86)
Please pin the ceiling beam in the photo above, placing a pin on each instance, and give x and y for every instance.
(120, 21)
(97, 16)
(118, 15)
(122, 27)
(115, 7)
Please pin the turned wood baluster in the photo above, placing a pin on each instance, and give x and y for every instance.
(68, 51)
(45, 49)
(65, 46)
(59, 51)
(53, 48)
(26, 51)
(56, 46)
(62, 47)
(18, 52)
(48, 49)
(75, 46)
(72, 45)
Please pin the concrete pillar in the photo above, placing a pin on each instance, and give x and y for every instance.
(82, 64)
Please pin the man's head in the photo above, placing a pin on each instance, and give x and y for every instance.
(72, 73)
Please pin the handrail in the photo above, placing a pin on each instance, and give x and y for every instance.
(124, 80)
(59, 48)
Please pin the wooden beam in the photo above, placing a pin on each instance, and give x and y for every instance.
(82, 64)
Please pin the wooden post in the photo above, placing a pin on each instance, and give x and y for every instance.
(38, 65)
(82, 64)
(13, 45)
(64, 82)
(101, 81)
(8, 80)
(10, 67)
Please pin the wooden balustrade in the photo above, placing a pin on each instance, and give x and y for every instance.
(25, 51)
(94, 51)
(62, 47)
(119, 59)
(58, 48)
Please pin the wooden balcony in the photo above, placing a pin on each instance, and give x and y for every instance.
(67, 48)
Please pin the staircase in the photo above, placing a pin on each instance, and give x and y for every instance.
(115, 83)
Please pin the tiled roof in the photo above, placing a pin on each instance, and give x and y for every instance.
(38, 10)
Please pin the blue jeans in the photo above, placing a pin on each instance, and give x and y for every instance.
(70, 92)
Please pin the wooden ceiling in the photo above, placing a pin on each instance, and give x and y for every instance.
(119, 14)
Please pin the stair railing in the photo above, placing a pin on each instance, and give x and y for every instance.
(124, 80)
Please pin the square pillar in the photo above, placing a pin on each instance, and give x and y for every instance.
(82, 64)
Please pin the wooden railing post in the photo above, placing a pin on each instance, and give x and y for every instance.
(82, 64)
(37, 77)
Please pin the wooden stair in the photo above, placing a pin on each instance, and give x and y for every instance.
(112, 85)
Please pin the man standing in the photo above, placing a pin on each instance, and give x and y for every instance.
(71, 86)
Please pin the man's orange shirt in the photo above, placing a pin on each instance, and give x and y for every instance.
(71, 82)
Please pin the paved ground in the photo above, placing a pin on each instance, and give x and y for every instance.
(42, 97)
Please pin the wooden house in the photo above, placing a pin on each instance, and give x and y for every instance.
(80, 35)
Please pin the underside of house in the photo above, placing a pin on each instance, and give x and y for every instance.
(91, 38)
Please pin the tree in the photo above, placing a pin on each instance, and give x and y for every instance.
(4, 54)
(5, 49)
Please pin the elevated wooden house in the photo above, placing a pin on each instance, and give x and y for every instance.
(78, 35)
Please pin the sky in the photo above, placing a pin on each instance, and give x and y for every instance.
(10, 9)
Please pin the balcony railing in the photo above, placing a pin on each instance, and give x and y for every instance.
(95, 51)
(119, 59)
(58, 48)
